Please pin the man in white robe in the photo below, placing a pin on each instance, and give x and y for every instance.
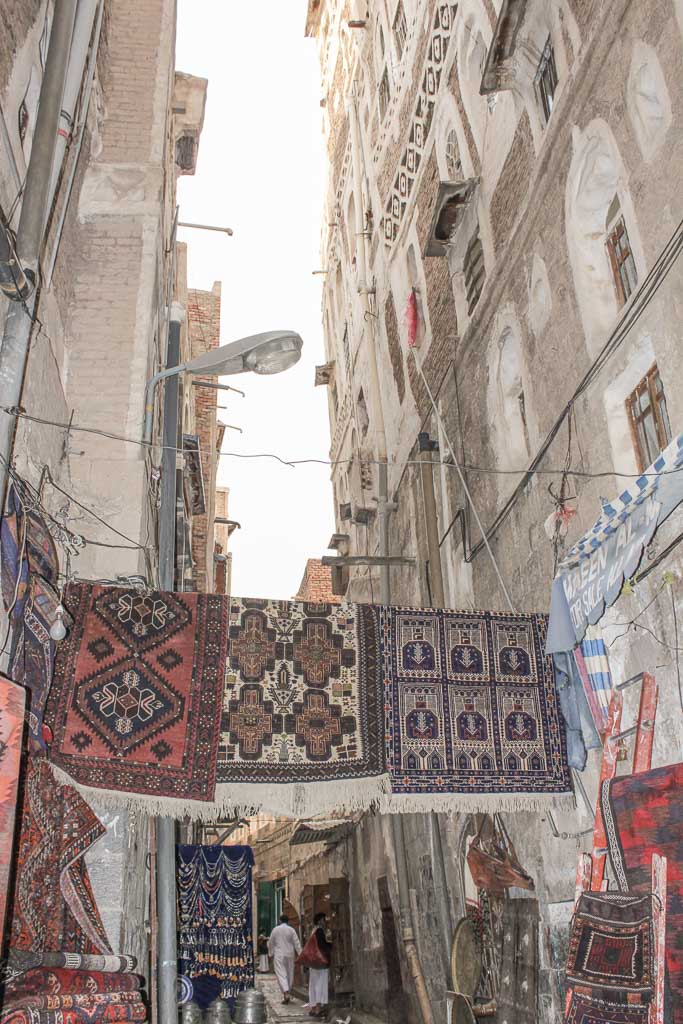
(284, 947)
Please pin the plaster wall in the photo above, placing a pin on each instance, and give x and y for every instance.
(547, 307)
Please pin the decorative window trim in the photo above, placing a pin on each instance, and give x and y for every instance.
(474, 271)
(546, 73)
(652, 387)
(384, 95)
(459, 196)
(400, 29)
(498, 71)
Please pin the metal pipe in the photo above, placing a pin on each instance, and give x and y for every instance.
(437, 596)
(79, 135)
(167, 965)
(204, 227)
(19, 319)
(80, 41)
(217, 387)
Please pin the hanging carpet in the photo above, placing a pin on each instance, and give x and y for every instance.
(69, 1000)
(610, 945)
(643, 814)
(324, 706)
(52, 906)
(472, 716)
(216, 948)
(135, 701)
(593, 1010)
(12, 707)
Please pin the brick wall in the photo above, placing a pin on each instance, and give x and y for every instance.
(511, 191)
(316, 583)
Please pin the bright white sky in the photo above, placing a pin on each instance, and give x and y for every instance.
(261, 171)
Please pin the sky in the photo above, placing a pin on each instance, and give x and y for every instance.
(261, 171)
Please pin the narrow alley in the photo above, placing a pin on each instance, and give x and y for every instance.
(341, 518)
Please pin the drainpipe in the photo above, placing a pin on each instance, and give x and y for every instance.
(34, 209)
(83, 25)
(167, 967)
(438, 600)
(384, 509)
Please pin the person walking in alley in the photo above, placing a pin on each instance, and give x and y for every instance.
(284, 946)
(263, 962)
(319, 977)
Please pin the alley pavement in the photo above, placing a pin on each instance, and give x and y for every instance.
(294, 1011)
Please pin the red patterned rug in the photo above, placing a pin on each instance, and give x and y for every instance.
(643, 815)
(593, 1010)
(12, 706)
(53, 905)
(135, 703)
(101, 1014)
(59, 981)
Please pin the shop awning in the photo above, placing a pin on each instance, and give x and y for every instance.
(590, 576)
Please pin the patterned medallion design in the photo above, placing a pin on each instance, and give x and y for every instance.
(136, 699)
(302, 697)
(470, 703)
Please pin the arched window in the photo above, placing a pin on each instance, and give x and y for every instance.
(604, 246)
(509, 405)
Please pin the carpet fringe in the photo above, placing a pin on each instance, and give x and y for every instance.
(307, 800)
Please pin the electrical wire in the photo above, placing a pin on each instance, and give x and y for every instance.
(293, 463)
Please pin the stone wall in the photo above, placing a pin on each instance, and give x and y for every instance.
(547, 307)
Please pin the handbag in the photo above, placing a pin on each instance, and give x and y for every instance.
(492, 860)
(312, 955)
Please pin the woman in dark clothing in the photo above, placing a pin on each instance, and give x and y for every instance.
(319, 977)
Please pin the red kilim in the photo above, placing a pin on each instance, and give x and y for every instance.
(53, 906)
(135, 703)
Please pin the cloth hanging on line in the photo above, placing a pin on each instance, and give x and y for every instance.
(12, 709)
(591, 574)
(580, 729)
(593, 665)
(135, 701)
(610, 945)
(324, 706)
(472, 716)
(643, 814)
(216, 948)
(52, 905)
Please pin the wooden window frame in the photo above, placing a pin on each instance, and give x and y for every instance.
(546, 74)
(652, 385)
(619, 250)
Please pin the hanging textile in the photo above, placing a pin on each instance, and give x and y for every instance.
(610, 945)
(26, 548)
(593, 1010)
(216, 948)
(324, 706)
(643, 814)
(591, 574)
(12, 708)
(492, 859)
(52, 906)
(33, 654)
(472, 717)
(69, 1000)
(135, 701)
(593, 665)
(301, 728)
(580, 731)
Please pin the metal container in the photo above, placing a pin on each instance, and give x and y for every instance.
(191, 1013)
(217, 1012)
(250, 1008)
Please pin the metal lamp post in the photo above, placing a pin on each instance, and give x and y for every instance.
(268, 353)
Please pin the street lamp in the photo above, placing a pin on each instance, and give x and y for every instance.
(270, 352)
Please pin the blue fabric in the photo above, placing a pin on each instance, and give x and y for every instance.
(581, 733)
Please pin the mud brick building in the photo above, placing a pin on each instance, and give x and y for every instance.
(499, 202)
